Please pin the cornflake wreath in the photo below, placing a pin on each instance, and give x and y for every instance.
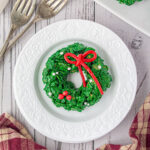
(128, 2)
(71, 59)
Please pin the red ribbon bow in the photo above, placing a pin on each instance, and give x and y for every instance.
(80, 61)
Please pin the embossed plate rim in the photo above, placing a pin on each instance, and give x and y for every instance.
(27, 100)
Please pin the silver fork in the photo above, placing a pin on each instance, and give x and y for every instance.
(20, 15)
(46, 9)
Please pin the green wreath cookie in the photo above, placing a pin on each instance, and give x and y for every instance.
(62, 92)
(128, 2)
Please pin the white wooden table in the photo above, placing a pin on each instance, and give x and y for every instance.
(138, 43)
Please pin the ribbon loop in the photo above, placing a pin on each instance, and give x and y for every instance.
(80, 61)
(71, 55)
(89, 59)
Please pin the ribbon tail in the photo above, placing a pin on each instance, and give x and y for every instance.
(82, 76)
(95, 79)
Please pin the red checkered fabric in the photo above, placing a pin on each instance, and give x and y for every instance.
(13, 136)
(139, 131)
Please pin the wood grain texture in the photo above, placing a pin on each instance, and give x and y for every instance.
(138, 44)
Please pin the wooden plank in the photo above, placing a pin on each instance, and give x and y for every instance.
(6, 89)
(2, 36)
(82, 146)
(51, 144)
(101, 141)
(1, 64)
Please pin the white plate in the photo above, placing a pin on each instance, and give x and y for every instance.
(138, 14)
(57, 123)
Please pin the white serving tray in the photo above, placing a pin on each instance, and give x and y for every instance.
(138, 15)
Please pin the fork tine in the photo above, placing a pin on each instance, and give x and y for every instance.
(31, 8)
(56, 11)
(50, 2)
(20, 8)
(27, 7)
(55, 4)
(16, 5)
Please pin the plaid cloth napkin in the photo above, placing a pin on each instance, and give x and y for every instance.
(139, 131)
(13, 136)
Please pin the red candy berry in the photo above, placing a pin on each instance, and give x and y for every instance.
(61, 96)
(69, 97)
(65, 93)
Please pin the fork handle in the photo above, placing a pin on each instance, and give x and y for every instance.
(34, 20)
(4, 48)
